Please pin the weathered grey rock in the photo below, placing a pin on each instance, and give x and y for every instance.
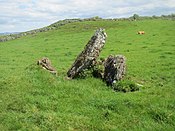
(115, 67)
(45, 63)
(88, 56)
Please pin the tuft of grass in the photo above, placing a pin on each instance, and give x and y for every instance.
(125, 86)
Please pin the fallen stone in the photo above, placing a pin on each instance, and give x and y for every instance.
(45, 63)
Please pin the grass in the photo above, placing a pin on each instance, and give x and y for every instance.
(33, 99)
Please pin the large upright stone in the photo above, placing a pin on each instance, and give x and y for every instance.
(114, 69)
(88, 56)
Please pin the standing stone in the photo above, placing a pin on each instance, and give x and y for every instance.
(88, 56)
(114, 69)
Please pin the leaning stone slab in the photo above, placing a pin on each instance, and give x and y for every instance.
(115, 67)
(88, 56)
(45, 63)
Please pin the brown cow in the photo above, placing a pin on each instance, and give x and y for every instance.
(141, 32)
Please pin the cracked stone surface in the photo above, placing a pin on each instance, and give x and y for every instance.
(88, 56)
(115, 68)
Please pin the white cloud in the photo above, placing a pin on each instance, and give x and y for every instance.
(22, 15)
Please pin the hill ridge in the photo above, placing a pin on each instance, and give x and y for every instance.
(67, 21)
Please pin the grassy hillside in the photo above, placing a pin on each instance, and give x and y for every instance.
(33, 99)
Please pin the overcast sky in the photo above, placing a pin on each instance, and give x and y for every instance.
(23, 15)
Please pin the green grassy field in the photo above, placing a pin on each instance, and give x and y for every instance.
(33, 99)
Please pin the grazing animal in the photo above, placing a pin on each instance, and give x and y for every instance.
(141, 32)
